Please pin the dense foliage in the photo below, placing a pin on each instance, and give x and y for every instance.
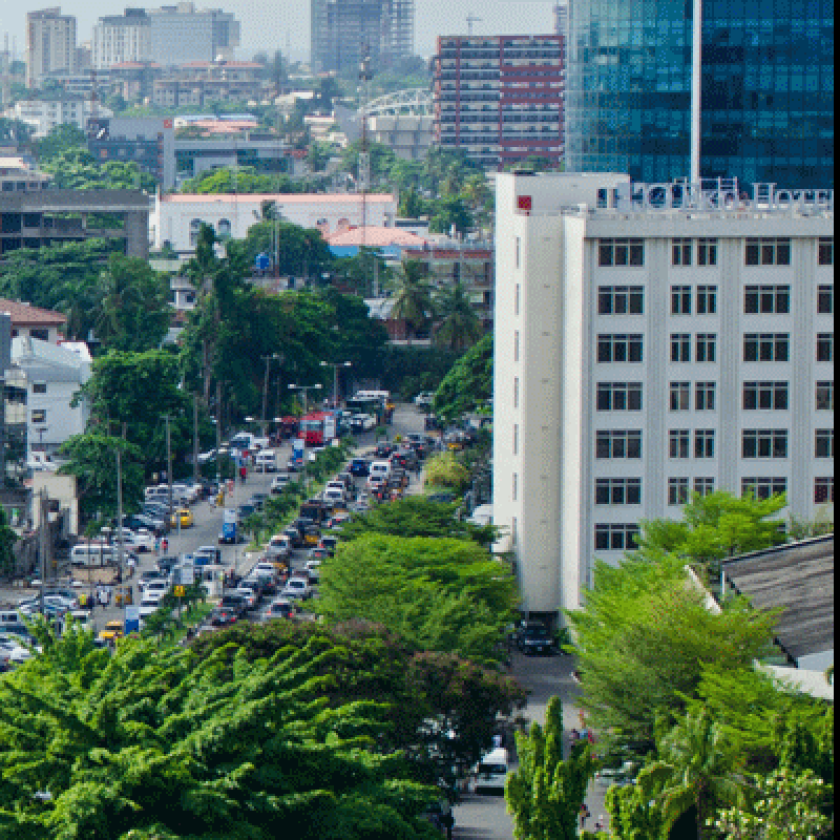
(468, 387)
(156, 742)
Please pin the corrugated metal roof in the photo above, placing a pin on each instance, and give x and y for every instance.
(799, 578)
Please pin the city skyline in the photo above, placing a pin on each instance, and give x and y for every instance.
(265, 26)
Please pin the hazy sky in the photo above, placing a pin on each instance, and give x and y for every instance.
(266, 24)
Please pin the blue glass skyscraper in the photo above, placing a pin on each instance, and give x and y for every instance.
(767, 89)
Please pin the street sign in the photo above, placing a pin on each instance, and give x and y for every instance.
(180, 591)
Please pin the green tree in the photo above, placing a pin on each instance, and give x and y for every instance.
(61, 139)
(92, 459)
(8, 538)
(458, 325)
(468, 386)
(545, 794)
(644, 638)
(782, 806)
(447, 471)
(717, 526)
(133, 313)
(450, 214)
(413, 297)
(437, 594)
(153, 742)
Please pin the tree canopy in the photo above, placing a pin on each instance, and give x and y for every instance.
(468, 386)
(437, 594)
(155, 742)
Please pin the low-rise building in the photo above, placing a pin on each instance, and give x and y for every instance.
(29, 321)
(46, 114)
(177, 219)
(18, 175)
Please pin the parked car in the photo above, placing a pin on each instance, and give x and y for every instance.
(182, 518)
(532, 637)
(112, 631)
(297, 588)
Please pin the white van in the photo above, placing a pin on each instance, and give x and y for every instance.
(266, 461)
(380, 469)
(279, 547)
(92, 554)
(492, 771)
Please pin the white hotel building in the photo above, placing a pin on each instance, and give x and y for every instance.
(644, 352)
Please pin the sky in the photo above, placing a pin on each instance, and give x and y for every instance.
(267, 24)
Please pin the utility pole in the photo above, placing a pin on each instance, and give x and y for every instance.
(120, 541)
(264, 415)
(169, 464)
(42, 541)
(335, 367)
(196, 474)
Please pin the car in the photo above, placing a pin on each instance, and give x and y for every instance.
(166, 564)
(279, 547)
(232, 538)
(258, 500)
(150, 604)
(150, 575)
(384, 450)
(182, 518)
(424, 399)
(112, 631)
(532, 637)
(139, 522)
(375, 483)
(223, 617)
(492, 771)
(156, 585)
(249, 594)
(246, 510)
(313, 567)
(297, 587)
(361, 423)
(141, 541)
(211, 552)
(320, 552)
(295, 536)
(281, 608)
(264, 569)
(280, 482)
(360, 467)
(234, 601)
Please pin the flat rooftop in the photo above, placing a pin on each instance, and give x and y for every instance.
(799, 579)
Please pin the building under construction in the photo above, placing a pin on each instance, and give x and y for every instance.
(341, 28)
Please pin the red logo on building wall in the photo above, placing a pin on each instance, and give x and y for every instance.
(524, 203)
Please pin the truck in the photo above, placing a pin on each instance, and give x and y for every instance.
(248, 442)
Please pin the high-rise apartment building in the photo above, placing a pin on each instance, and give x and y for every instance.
(50, 45)
(767, 75)
(343, 29)
(561, 18)
(181, 34)
(122, 39)
(652, 343)
(500, 99)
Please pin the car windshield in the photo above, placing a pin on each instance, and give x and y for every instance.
(536, 632)
(492, 769)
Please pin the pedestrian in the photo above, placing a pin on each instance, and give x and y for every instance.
(103, 598)
(599, 825)
(164, 545)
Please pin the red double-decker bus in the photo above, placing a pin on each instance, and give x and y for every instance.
(317, 429)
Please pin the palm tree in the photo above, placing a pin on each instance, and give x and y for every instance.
(695, 770)
(459, 326)
(413, 302)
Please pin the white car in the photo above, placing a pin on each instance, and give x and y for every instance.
(297, 588)
(141, 541)
(280, 482)
(248, 594)
(150, 603)
(425, 399)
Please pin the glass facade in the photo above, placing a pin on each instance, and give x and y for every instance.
(768, 90)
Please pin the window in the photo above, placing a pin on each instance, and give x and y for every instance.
(516, 439)
(519, 252)
(40, 334)
(616, 537)
(680, 393)
(705, 394)
(516, 392)
(518, 299)
(704, 443)
(825, 396)
(825, 347)
(681, 251)
(763, 488)
(620, 348)
(618, 445)
(619, 396)
(617, 252)
(515, 488)
(516, 346)
(679, 444)
(681, 300)
(766, 396)
(621, 300)
(39, 415)
(825, 443)
(707, 300)
(707, 251)
(767, 300)
(826, 250)
(704, 486)
(225, 229)
(823, 490)
(678, 491)
(768, 251)
(706, 347)
(195, 230)
(618, 491)
(680, 347)
(825, 300)
(765, 443)
(766, 347)
(39, 387)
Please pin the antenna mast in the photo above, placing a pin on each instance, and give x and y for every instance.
(471, 19)
(365, 76)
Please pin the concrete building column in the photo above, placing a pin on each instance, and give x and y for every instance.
(137, 234)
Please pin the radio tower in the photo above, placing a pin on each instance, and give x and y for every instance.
(365, 75)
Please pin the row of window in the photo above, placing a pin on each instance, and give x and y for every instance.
(757, 396)
(758, 347)
(758, 251)
(624, 492)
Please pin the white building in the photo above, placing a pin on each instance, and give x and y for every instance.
(50, 45)
(119, 39)
(53, 375)
(177, 218)
(645, 351)
(45, 115)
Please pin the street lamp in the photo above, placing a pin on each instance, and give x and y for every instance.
(335, 367)
(268, 360)
(306, 389)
